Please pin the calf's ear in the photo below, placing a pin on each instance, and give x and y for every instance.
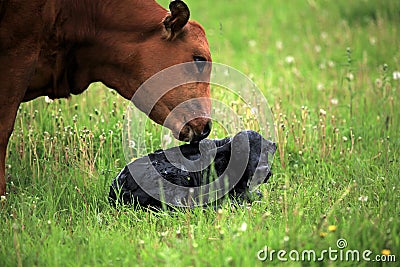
(178, 18)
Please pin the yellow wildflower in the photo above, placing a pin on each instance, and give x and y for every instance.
(332, 228)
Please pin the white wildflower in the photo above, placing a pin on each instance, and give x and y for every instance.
(396, 75)
(243, 227)
(363, 198)
(289, 60)
(334, 101)
(252, 43)
(48, 99)
(350, 76)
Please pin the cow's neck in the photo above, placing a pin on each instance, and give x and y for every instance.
(115, 23)
(77, 33)
(84, 19)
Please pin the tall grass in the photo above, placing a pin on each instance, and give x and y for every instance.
(330, 71)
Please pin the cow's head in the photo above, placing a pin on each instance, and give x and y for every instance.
(184, 109)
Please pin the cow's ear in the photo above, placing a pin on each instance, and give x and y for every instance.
(178, 18)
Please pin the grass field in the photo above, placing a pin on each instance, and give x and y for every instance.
(331, 73)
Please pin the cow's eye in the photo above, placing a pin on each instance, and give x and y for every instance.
(200, 63)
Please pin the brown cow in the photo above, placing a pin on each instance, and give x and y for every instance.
(57, 48)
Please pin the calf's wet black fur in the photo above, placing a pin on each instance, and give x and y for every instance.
(196, 174)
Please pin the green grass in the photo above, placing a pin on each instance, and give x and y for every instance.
(326, 68)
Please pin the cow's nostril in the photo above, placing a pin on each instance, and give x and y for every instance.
(206, 131)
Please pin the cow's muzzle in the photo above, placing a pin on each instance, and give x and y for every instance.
(195, 130)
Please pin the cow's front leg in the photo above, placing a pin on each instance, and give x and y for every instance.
(7, 118)
(3, 148)
(15, 72)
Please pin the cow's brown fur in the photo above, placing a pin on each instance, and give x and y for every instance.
(57, 48)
